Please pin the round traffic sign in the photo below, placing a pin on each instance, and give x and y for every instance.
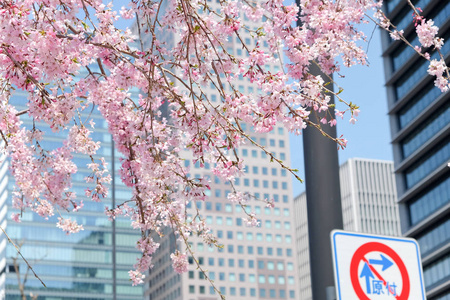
(359, 257)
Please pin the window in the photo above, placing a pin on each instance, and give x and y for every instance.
(264, 171)
(251, 264)
(239, 235)
(268, 224)
(241, 249)
(231, 262)
(272, 142)
(239, 221)
(281, 280)
(219, 220)
(279, 251)
(232, 291)
(241, 263)
(268, 237)
(191, 274)
(280, 266)
(277, 224)
(246, 182)
(241, 277)
(282, 294)
(230, 235)
(260, 250)
(290, 266)
(232, 277)
(218, 206)
(249, 236)
(221, 262)
(228, 208)
(255, 182)
(280, 130)
(191, 289)
(254, 153)
(283, 172)
(244, 152)
(222, 276)
(230, 221)
(285, 199)
(269, 251)
(202, 289)
(289, 252)
(200, 247)
(211, 261)
(287, 225)
(250, 249)
(292, 294)
(291, 280)
(209, 220)
(230, 248)
(284, 185)
(260, 264)
(288, 239)
(281, 143)
(242, 291)
(253, 292)
(263, 141)
(212, 275)
(251, 278)
(286, 212)
(275, 184)
(220, 234)
(255, 170)
(274, 172)
(265, 184)
(272, 293)
(259, 237)
(261, 279)
(262, 293)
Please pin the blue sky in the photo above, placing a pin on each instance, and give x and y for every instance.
(370, 136)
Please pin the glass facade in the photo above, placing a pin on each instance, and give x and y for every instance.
(421, 144)
(76, 266)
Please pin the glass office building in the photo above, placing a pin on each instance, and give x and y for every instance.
(92, 264)
(420, 127)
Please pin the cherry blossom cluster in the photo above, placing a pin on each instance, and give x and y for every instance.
(427, 34)
(69, 57)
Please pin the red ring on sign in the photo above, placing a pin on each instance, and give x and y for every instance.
(371, 247)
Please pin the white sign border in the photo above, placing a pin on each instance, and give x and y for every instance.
(336, 232)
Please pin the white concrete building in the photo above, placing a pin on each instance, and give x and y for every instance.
(255, 263)
(368, 196)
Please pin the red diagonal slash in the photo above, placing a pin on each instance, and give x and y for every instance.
(374, 271)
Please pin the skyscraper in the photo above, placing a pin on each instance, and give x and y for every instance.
(255, 262)
(91, 264)
(369, 205)
(420, 117)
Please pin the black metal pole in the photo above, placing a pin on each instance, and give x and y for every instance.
(323, 203)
